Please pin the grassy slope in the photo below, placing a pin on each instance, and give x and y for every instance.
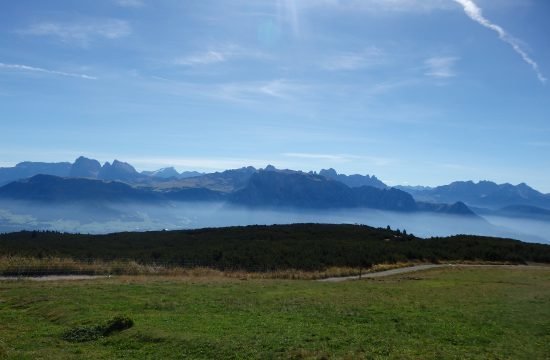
(444, 313)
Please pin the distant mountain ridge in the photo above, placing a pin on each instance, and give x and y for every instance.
(354, 180)
(51, 189)
(263, 189)
(28, 168)
(484, 194)
(89, 169)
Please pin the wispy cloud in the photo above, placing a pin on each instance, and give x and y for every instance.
(130, 3)
(440, 67)
(219, 54)
(353, 60)
(81, 32)
(474, 12)
(235, 92)
(251, 92)
(20, 67)
(205, 58)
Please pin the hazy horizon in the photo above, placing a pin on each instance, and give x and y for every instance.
(108, 218)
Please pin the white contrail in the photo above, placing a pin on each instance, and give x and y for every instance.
(474, 12)
(37, 69)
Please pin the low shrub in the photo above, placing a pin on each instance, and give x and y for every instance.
(94, 332)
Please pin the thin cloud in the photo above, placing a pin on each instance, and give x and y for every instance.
(475, 13)
(206, 58)
(81, 32)
(219, 54)
(20, 67)
(247, 92)
(440, 67)
(353, 61)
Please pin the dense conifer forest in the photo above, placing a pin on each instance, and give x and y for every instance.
(275, 247)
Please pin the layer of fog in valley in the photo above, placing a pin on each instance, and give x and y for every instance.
(103, 218)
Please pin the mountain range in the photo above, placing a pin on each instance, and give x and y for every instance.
(90, 169)
(482, 194)
(88, 180)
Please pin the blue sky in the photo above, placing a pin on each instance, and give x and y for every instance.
(413, 91)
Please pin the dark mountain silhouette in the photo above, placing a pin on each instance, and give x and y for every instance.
(301, 190)
(27, 169)
(484, 194)
(281, 189)
(458, 208)
(85, 168)
(384, 199)
(355, 180)
(51, 189)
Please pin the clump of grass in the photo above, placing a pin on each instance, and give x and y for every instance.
(82, 333)
(94, 332)
(3, 350)
(117, 324)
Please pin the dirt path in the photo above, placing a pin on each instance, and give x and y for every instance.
(414, 268)
(383, 273)
(51, 277)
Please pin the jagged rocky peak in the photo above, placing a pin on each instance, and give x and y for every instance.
(330, 173)
(85, 168)
(354, 180)
(118, 170)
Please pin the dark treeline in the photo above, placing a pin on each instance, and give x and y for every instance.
(275, 247)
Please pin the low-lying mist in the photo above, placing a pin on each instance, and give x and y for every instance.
(106, 218)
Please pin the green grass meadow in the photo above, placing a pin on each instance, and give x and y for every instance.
(454, 313)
